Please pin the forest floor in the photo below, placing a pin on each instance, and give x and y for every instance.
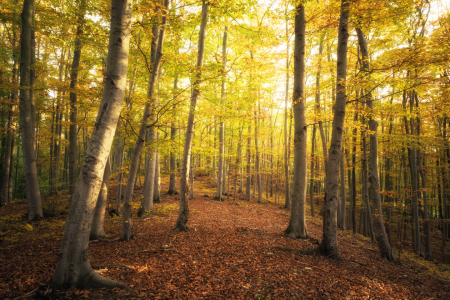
(234, 250)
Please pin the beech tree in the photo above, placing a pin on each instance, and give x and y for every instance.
(297, 222)
(183, 214)
(27, 111)
(73, 269)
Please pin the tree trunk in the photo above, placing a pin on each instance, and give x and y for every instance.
(287, 201)
(157, 184)
(311, 185)
(73, 129)
(73, 269)
(220, 178)
(379, 230)
(8, 160)
(134, 161)
(329, 245)
(297, 222)
(97, 229)
(184, 180)
(248, 183)
(342, 207)
(173, 133)
(27, 111)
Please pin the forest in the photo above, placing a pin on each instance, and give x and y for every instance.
(234, 149)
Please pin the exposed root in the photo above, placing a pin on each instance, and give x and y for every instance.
(97, 236)
(94, 280)
(181, 227)
(126, 238)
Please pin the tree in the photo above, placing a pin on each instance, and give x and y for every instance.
(297, 222)
(183, 214)
(27, 111)
(329, 244)
(134, 162)
(73, 135)
(379, 230)
(73, 269)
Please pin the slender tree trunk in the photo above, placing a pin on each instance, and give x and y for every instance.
(311, 185)
(73, 128)
(329, 245)
(287, 201)
(183, 215)
(8, 161)
(379, 230)
(297, 222)
(73, 269)
(173, 134)
(247, 187)
(257, 162)
(220, 178)
(134, 161)
(27, 111)
(157, 184)
(342, 207)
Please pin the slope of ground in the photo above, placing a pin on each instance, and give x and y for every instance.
(234, 250)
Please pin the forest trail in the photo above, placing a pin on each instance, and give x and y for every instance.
(231, 252)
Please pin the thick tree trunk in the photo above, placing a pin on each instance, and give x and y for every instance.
(97, 229)
(73, 269)
(297, 222)
(378, 225)
(183, 215)
(329, 245)
(73, 129)
(27, 111)
(134, 161)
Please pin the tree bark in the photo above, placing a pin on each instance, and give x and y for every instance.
(329, 245)
(297, 222)
(97, 229)
(173, 133)
(73, 269)
(379, 230)
(221, 124)
(287, 199)
(73, 129)
(27, 111)
(183, 215)
(134, 161)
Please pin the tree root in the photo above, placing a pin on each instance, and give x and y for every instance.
(94, 280)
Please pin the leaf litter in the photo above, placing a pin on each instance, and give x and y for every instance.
(233, 250)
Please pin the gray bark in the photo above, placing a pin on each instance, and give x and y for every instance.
(183, 215)
(73, 269)
(329, 245)
(27, 118)
(287, 200)
(134, 161)
(297, 222)
(220, 178)
(73, 129)
(150, 159)
(157, 182)
(97, 229)
(379, 229)
(173, 134)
